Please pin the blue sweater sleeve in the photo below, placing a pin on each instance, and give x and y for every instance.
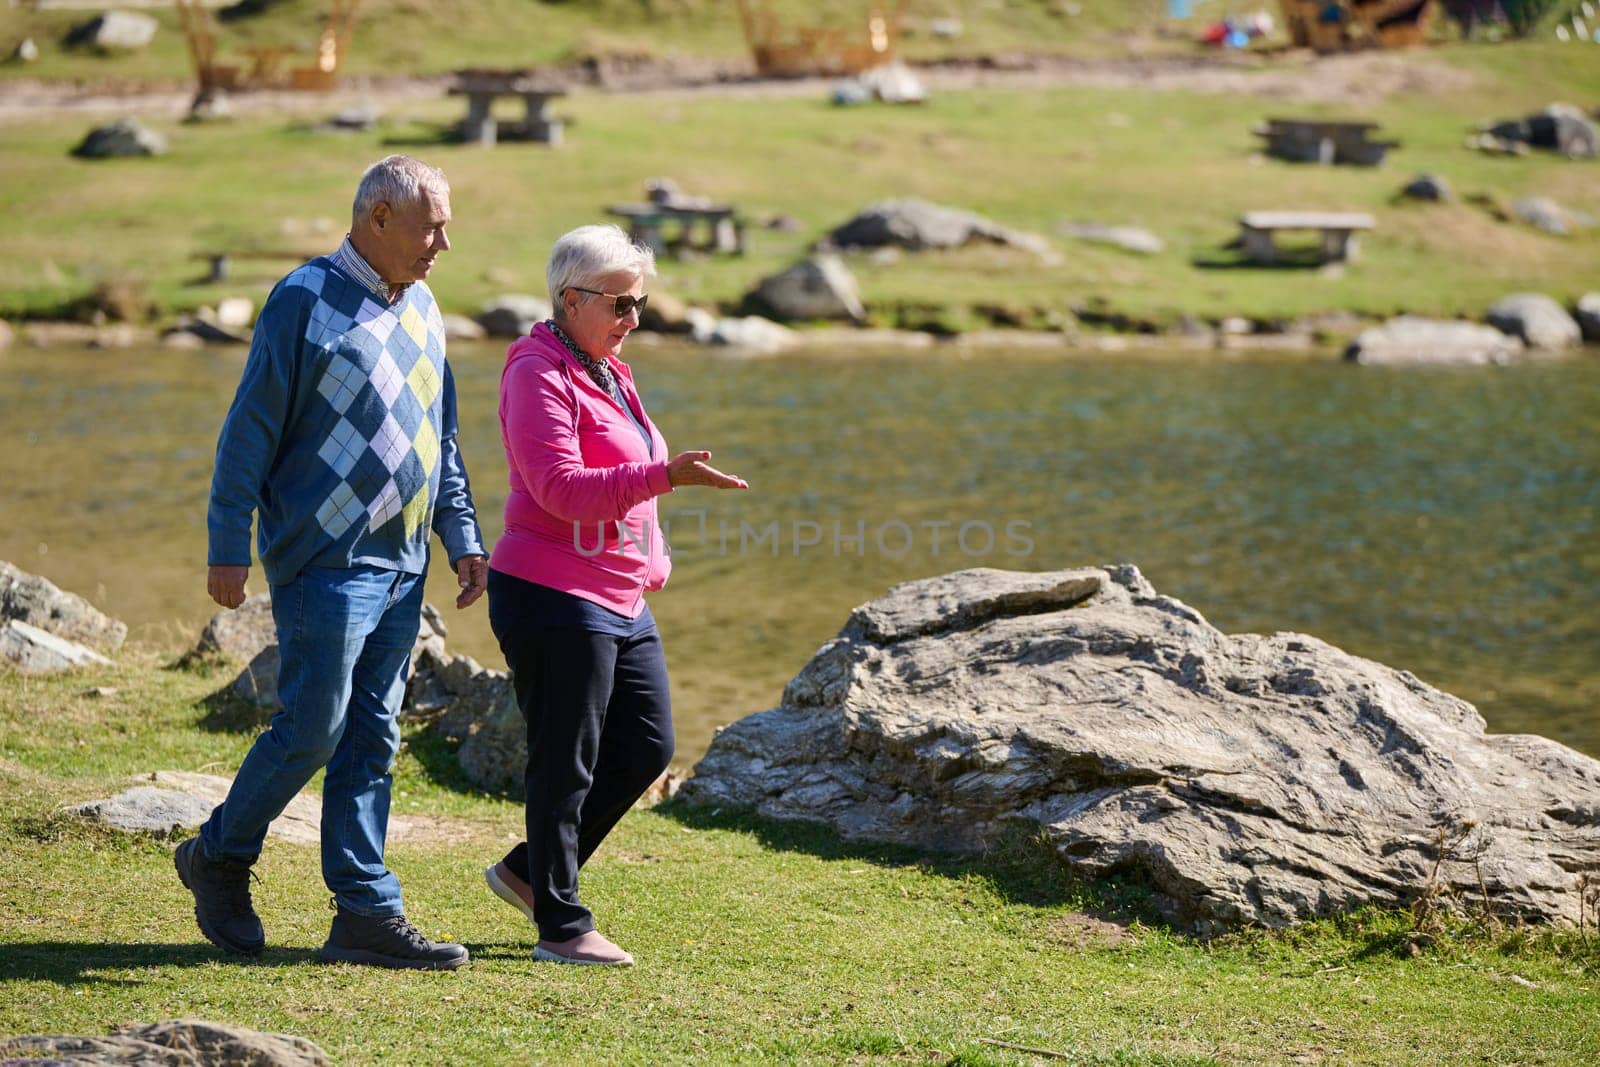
(249, 442)
(454, 518)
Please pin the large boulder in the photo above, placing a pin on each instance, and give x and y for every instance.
(513, 315)
(750, 335)
(821, 287)
(1589, 317)
(125, 137)
(1559, 128)
(37, 601)
(1253, 779)
(178, 1043)
(1537, 319)
(1411, 339)
(917, 224)
(35, 651)
(147, 809)
(114, 31)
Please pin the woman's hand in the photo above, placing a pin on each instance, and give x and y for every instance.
(689, 468)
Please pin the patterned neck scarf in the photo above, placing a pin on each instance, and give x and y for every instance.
(598, 369)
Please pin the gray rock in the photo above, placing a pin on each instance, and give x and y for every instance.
(25, 52)
(1545, 214)
(1128, 238)
(893, 83)
(178, 1043)
(1411, 340)
(1254, 779)
(258, 682)
(1537, 319)
(240, 633)
(461, 328)
(38, 602)
(358, 118)
(821, 287)
(513, 315)
(494, 739)
(918, 224)
(751, 334)
(1558, 128)
(1589, 317)
(35, 651)
(209, 105)
(1429, 187)
(125, 137)
(235, 313)
(115, 31)
(145, 809)
(850, 93)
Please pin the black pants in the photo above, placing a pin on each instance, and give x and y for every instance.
(599, 733)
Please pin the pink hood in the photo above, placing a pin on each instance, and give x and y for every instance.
(581, 517)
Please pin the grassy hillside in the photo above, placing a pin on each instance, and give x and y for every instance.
(756, 942)
(1183, 164)
(432, 36)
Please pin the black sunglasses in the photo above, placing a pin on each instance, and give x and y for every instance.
(626, 302)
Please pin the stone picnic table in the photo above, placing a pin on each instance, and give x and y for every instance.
(483, 87)
(1338, 231)
(1325, 142)
(669, 227)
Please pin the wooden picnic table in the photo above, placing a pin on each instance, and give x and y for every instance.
(483, 87)
(1338, 229)
(1322, 141)
(668, 227)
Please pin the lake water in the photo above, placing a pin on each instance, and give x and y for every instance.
(1444, 521)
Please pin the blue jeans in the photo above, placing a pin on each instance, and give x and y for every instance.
(344, 642)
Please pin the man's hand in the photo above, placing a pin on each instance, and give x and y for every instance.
(472, 574)
(226, 585)
(689, 468)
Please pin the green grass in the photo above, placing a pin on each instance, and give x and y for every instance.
(1180, 163)
(430, 37)
(756, 942)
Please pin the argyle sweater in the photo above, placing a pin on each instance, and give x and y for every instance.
(342, 436)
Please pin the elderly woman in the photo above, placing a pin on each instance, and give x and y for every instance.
(582, 545)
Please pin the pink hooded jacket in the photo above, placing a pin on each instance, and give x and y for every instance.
(581, 517)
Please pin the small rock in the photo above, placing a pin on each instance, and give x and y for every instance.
(752, 334)
(818, 288)
(114, 31)
(144, 809)
(1589, 317)
(209, 105)
(26, 51)
(917, 224)
(178, 1043)
(1128, 238)
(37, 601)
(513, 315)
(850, 93)
(125, 137)
(182, 340)
(781, 223)
(894, 83)
(1545, 214)
(887, 256)
(258, 683)
(1235, 326)
(1429, 187)
(235, 313)
(1537, 319)
(238, 634)
(100, 692)
(461, 328)
(1413, 340)
(36, 651)
(359, 118)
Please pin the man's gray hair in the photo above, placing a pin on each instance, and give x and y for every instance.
(397, 181)
(583, 256)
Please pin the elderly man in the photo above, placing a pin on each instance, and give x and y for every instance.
(342, 441)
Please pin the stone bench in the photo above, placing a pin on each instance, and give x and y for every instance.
(1338, 230)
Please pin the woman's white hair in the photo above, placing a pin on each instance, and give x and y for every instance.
(583, 256)
(397, 181)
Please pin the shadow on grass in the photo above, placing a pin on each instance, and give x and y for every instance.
(226, 712)
(1021, 868)
(71, 963)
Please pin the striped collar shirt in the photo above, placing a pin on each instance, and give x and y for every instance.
(347, 259)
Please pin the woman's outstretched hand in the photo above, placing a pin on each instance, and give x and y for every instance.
(689, 468)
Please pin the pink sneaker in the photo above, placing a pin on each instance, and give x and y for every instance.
(511, 889)
(589, 950)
